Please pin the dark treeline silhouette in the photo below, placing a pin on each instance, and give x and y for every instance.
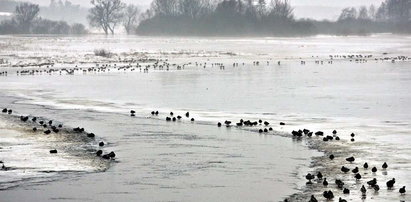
(26, 20)
(228, 17)
(249, 17)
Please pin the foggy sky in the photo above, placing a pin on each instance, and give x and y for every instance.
(317, 9)
(327, 3)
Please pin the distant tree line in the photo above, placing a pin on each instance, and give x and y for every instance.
(226, 17)
(206, 17)
(260, 17)
(391, 16)
(26, 20)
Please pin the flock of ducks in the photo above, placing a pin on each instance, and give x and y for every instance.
(327, 194)
(144, 65)
(49, 127)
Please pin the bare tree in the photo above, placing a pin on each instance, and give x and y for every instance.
(281, 9)
(25, 14)
(131, 15)
(106, 14)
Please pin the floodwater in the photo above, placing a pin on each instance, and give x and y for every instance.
(197, 161)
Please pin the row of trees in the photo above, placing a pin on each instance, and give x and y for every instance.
(267, 17)
(26, 20)
(226, 17)
(394, 11)
(390, 16)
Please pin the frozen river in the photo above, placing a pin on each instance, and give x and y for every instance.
(197, 161)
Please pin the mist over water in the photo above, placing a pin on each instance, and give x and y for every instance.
(186, 161)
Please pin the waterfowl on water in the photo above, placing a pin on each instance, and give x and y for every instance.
(374, 169)
(345, 169)
(372, 182)
(328, 195)
(390, 183)
(319, 175)
(355, 170)
(350, 159)
(53, 151)
(319, 133)
(376, 188)
(357, 176)
(309, 177)
(385, 165)
(341, 200)
(112, 154)
(363, 190)
(402, 190)
(339, 183)
(365, 165)
(313, 199)
(325, 182)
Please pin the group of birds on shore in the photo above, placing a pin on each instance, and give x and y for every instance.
(372, 184)
(159, 64)
(328, 194)
(49, 127)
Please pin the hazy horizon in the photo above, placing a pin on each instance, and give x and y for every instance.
(317, 9)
